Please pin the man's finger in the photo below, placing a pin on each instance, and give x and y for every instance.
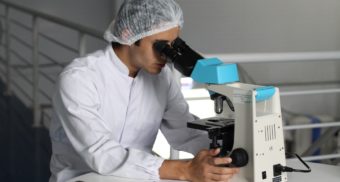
(223, 170)
(217, 177)
(222, 160)
(214, 152)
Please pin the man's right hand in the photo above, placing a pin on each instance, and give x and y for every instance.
(205, 167)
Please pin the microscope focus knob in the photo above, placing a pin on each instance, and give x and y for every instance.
(239, 157)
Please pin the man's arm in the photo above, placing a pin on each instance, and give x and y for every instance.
(175, 118)
(204, 167)
(175, 169)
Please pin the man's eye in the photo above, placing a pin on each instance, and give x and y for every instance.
(162, 41)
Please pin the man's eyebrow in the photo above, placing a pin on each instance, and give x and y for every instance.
(162, 40)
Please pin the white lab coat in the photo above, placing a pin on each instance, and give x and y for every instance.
(106, 122)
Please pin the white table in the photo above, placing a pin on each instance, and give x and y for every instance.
(320, 172)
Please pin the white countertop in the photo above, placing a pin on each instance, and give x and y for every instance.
(320, 172)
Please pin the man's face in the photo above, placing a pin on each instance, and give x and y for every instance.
(145, 57)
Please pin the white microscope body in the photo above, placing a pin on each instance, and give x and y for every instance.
(256, 120)
(257, 129)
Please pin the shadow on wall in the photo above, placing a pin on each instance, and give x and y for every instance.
(25, 151)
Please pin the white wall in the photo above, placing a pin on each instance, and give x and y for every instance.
(91, 13)
(88, 13)
(256, 26)
(232, 26)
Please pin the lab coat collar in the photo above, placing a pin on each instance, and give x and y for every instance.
(118, 63)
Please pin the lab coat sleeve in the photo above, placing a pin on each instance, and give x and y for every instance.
(76, 104)
(174, 124)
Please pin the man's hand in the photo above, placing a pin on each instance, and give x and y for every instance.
(204, 167)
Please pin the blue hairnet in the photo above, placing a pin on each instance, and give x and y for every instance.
(137, 19)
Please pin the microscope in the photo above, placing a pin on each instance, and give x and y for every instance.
(248, 124)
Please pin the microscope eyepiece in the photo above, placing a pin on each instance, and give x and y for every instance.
(164, 49)
(178, 43)
(159, 46)
(183, 57)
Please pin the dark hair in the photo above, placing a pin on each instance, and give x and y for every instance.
(117, 45)
(137, 43)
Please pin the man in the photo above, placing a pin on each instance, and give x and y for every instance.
(110, 104)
